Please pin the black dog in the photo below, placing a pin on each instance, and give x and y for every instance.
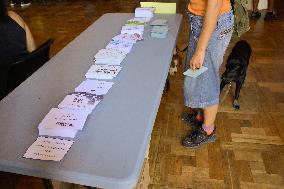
(236, 68)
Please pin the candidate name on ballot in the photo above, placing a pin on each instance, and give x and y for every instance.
(139, 29)
(133, 38)
(45, 148)
(102, 71)
(123, 46)
(94, 87)
(81, 101)
(109, 56)
(63, 122)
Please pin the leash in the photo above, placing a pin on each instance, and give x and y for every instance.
(226, 93)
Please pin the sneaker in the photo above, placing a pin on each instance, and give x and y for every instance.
(25, 4)
(199, 137)
(191, 120)
(270, 16)
(255, 14)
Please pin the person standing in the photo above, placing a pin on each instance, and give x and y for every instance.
(270, 14)
(211, 23)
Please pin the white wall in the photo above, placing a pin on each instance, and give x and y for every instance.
(263, 4)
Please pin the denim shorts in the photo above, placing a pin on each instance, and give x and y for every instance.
(204, 90)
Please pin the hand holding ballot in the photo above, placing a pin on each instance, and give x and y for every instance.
(195, 73)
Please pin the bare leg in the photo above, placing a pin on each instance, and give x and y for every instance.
(270, 5)
(255, 5)
(210, 115)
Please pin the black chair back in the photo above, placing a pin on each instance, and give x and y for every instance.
(20, 70)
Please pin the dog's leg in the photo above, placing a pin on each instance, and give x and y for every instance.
(167, 85)
(236, 104)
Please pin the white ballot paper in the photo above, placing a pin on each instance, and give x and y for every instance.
(45, 148)
(144, 12)
(139, 29)
(81, 101)
(128, 37)
(140, 19)
(94, 87)
(63, 122)
(102, 71)
(123, 46)
(109, 56)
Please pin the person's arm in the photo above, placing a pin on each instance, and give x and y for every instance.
(29, 37)
(210, 20)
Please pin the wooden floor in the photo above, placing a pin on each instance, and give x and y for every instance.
(249, 153)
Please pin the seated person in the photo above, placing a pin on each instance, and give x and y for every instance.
(16, 39)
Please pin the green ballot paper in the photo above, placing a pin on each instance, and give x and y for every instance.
(195, 73)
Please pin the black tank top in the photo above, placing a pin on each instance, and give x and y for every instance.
(12, 41)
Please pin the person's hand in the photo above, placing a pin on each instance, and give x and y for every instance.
(197, 59)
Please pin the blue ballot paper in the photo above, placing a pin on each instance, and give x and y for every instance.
(159, 22)
(195, 73)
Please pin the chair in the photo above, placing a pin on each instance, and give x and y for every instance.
(15, 73)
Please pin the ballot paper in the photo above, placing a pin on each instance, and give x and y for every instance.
(141, 19)
(159, 22)
(144, 12)
(159, 31)
(134, 22)
(132, 38)
(46, 148)
(94, 87)
(195, 73)
(63, 122)
(81, 101)
(139, 29)
(123, 46)
(102, 71)
(109, 56)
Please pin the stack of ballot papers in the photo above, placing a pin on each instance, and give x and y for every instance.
(139, 29)
(98, 71)
(159, 22)
(63, 122)
(123, 46)
(160, 28)
(94, 87)
(140, 19)
(46, 148)
(159, 31)
(81, 101)
(109, 56)
(134, 22)
(132, 38)
(144, 12)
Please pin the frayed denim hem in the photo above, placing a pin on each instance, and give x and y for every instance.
(202, 104)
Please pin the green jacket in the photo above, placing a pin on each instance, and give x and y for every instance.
(241, 25)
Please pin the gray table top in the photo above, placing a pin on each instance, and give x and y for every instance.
(110, 151)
